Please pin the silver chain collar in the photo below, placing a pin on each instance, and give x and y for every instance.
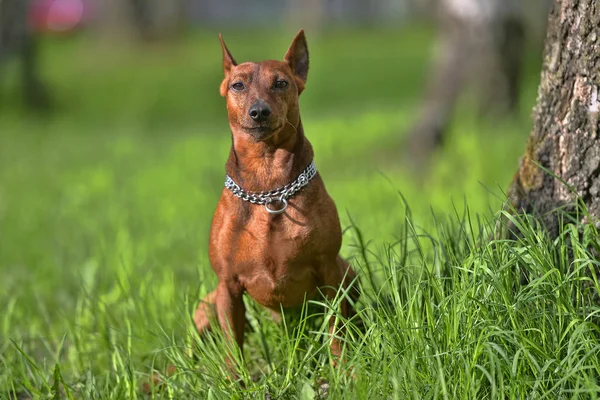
(277, 195)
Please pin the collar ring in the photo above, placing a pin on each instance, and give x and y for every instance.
(282, 200)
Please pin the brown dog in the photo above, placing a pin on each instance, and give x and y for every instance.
(276, 232)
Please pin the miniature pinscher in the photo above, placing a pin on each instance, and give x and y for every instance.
(276, 232)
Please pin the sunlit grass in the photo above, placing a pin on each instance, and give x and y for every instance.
(448, 318)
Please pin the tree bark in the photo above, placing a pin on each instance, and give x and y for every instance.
(564, 139)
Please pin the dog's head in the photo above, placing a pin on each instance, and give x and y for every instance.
(262, 98)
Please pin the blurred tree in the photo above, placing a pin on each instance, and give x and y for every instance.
(147, 19)
(565, 137)
(367, 11)
(314, 15)
(158, 19)
(17, 39)
(308, 14)
(478, 40)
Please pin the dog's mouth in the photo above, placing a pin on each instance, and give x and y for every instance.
(262, 131)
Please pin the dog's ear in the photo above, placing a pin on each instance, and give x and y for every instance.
(297, 57)
(228, 60)
(228, 63)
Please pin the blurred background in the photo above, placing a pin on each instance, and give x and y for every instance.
(113, 136)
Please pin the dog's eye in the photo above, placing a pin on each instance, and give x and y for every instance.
(238, 86)
(281, 84)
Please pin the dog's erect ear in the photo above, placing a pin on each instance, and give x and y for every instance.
(297, 56)
(228, 60)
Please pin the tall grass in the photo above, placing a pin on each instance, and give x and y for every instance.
(446, 316)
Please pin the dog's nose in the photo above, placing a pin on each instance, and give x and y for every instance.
(259, 111)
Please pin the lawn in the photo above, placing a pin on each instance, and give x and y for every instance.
(106, 204)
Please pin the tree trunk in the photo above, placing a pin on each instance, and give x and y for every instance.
(479, 41)
(309, 14)
(18, 40)
(146, 19)
(158, 19)
(564, 139)
(112, 19)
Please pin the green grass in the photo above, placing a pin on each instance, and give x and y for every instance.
(106, 204)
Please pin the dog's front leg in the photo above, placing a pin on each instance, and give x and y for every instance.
(231, 312)
(340, 275)
(205, 313)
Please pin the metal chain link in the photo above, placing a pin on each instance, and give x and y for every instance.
(284, 192)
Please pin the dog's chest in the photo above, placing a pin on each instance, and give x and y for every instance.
(275, 288)
(282, 258)
(301, 232)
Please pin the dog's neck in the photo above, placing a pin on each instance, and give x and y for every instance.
(265, 165)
